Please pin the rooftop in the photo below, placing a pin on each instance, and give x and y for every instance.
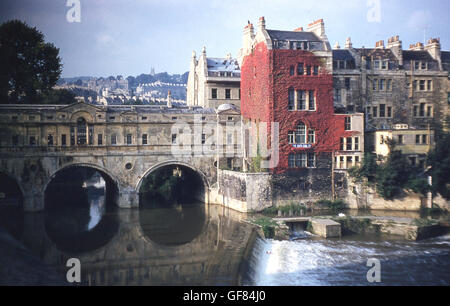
(292, 35)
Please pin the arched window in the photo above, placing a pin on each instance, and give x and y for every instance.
(300, 137)
(81, 131)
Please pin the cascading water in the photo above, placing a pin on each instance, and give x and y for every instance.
(315, 261)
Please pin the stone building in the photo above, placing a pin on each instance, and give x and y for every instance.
(213, 81)
(393, 86)
(287, 78)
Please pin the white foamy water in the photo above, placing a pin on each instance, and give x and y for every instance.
(314, 262)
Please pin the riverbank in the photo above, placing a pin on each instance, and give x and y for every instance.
(409, 228)
(18, 267)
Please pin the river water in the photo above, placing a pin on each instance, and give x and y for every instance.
(197, 244)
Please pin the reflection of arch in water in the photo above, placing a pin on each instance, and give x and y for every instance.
(177, 224)
(60, 223)
(11, 204)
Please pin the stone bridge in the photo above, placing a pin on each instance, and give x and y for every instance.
(124, 143)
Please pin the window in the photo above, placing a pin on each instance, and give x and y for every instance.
(311, 160)
(15, 140)
(301, 134)
(113, 139)
(349, 161)
(384, 65)
(129, 139)
(316, 70)
(49, 117)
(291, 160)
(144, 118)
(311, 136)
(341, 144)
(424, 139)
(203, 139)
(389, 85)
(422, 110)
(292, 70)
(112, 118)
(375, 111)
(382, 110)
(31, 118)
(63, 140)
(100, 139)
(389, 111)
(230, 118)
(429, 111)
(50, 140)
(308, 70)
(348, 123)
(300, 160)
(376, 64)
(415, 84)
(174, 138)
(312, 100)
(291, 105)
(14, 118)
(416, 65)
(382, 84)
(174, 118)
(229, 139)
(291, 137)
(400, 140)
(214, 93)
(417, 139)
(356, 144)
(144, 139)
(347, 83)
(72, 136)
(429, 85)
(81, 131)
(301, 101)
(300, 69)
(423, 65)
(369, 114)
(228, 94)
(415, 110)
(337, 95)
(349, 144)
(375, 84)
(422, 85)
(32, 140)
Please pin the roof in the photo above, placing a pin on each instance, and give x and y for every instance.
(223, 64)
(378, 53)
(409, 55)
(292, 35)
(225, 107)
(343, 55)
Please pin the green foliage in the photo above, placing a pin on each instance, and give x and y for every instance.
(268, 226)
(393, 175)
(418, 185)
(439, 159)
(58, 96)
(336, 206)
(367, 170)
(29, 66)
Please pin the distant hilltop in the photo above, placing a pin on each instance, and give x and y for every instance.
(143, 87)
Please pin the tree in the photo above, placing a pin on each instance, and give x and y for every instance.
(439, 159)
(29, 67)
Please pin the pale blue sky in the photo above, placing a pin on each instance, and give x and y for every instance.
(128, 37)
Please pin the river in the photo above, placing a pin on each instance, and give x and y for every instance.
(198, 244)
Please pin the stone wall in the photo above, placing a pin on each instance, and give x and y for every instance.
(244, 192)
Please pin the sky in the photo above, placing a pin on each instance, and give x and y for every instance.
(129, 37)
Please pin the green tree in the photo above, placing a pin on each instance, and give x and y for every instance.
(439, 159)
(29, 67)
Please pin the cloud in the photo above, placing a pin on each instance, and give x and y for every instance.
(105, 39)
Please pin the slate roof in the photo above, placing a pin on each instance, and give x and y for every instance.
(292, 35)
(409, 55)
(343, 55)
(378, 53)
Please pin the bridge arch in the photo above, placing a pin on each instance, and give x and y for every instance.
(172, 163)
(103, 171)
(14, 179)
